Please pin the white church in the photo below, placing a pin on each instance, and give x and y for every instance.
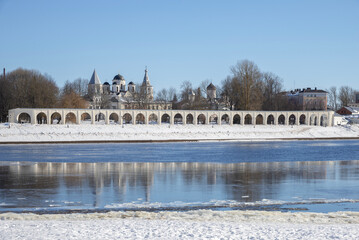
(118, 96)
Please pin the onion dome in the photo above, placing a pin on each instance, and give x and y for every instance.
(118, 77)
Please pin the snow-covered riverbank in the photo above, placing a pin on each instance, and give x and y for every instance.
(77, 133)
(200, 224)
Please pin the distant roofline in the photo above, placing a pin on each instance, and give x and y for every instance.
(307, 90)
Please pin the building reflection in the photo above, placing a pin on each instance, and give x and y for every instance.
(125, 181)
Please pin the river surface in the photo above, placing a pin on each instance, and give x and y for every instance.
(318, 176)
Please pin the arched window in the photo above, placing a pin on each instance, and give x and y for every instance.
(259, 119)
(292, 119)
(85, 118)
(178, 119)
(24, 118)
(140, 119)
(41, 118)
(313, 120)
(127, 118)
(189, 119)
(153, 119)
(213, 119)
(302, 119)
(281, 120)
(114, 118)
(165, 118)
(55, 118)
(248, 119)
(225, 119)
(270, 120)
(236, 119)
(201, 119)
(100, 118)
(70, 118)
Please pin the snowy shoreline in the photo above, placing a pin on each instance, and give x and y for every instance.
(345, 217)
(87, 133)
(197, 224)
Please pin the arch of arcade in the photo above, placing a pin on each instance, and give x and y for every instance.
(195, 117)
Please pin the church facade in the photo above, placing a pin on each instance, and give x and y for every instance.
(119, 96)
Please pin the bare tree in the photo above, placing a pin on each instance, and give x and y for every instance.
(67, 88)
(230, 91)
(218, 90)
(333, 98)
(105, 102)
(73, 95)
(249, 89)
(186, 87)
(171, 93)
(72, 100)
(80, 86)
(162, 97)
(203, 86)
(346, 95)
(140, 98)
(272, 87)
(246, 78)
(199, 95)
(175, 102)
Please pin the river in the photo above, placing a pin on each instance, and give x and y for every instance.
(318, 176)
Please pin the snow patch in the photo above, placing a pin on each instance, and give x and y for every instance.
(190, 225)
(51, 133)
(200, 215)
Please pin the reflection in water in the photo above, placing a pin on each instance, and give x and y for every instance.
(27, 185)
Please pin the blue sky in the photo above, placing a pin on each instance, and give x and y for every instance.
(306, 43)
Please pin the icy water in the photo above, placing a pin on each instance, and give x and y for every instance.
(319, 176)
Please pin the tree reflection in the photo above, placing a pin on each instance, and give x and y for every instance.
(99, 184)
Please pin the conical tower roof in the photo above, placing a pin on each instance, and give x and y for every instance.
(211, 87)
(95, 79)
